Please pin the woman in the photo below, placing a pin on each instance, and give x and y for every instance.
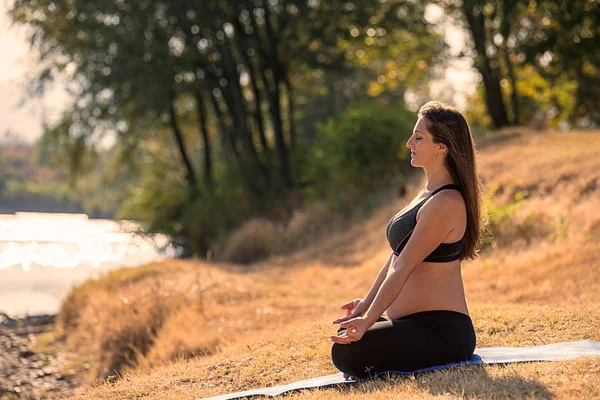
(420, 286)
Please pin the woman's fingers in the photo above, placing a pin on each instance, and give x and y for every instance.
(351, 304)
(340, 320)
(353, 314)
(341, 339)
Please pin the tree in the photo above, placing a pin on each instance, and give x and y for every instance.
(247, 66)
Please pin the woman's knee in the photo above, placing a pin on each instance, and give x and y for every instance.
(346, 358)
(338, 355)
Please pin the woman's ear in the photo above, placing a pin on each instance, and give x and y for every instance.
(442, 148)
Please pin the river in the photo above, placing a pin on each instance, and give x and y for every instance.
(42, 255)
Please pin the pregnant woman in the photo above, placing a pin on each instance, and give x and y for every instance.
(420, 286)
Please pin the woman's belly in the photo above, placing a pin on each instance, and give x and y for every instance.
(431, 286)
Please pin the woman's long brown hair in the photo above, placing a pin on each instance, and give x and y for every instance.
(448, 126)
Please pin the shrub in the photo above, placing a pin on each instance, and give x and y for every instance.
(360, 150)
(305, 225)
(162, 202)
(259, 238)
(253, 240)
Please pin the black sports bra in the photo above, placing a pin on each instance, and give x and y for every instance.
(400, 228)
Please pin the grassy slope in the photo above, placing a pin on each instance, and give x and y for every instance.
(270, 324)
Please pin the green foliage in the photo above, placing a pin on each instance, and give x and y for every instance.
(131, 68)
(161, 200)
(360, 150)
(476, 112)
(209, 219)
(562, 44)
(544, 94)
(539, 98)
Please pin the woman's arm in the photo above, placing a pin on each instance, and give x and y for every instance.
(436, 221)
(358, 307)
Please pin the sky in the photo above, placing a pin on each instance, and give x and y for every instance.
(25, 121)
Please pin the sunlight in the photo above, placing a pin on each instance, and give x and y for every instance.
(72, 240)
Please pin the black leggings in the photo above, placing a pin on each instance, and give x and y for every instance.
(415, 341)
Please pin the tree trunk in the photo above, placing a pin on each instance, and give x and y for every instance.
(291, 108)
(491, 82)
(228, 143)
(227, 140)
(190, 174)
(258, 117)
(208, 178)
(513, 82)
(275, 98)
(238, 111)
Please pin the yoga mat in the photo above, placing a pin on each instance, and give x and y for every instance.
(486, 355)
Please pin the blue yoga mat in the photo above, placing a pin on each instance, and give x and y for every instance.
(487, 355)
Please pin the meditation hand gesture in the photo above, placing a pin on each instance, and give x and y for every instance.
(354, 308)
(355, 329)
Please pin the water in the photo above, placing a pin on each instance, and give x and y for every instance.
(43, 255)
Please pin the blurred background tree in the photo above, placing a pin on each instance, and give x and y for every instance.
(219, 112)
(535, 58)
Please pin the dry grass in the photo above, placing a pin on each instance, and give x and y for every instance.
(268, 323)
(259, 237)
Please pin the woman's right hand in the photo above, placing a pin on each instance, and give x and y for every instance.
(354, 308)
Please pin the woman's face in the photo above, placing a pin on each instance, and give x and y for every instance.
(423, 151)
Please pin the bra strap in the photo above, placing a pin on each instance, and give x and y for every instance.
(450, 185)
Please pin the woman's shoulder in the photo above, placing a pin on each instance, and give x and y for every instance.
(446, 202)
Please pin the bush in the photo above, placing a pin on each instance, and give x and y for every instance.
(255, 239)
(259, 238)
(356, 153)
(305, 225)
(161, 201)
(210, 219)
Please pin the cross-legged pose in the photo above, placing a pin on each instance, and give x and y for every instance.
(420, 286)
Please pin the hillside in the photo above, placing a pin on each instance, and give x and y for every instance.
(536, 282)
